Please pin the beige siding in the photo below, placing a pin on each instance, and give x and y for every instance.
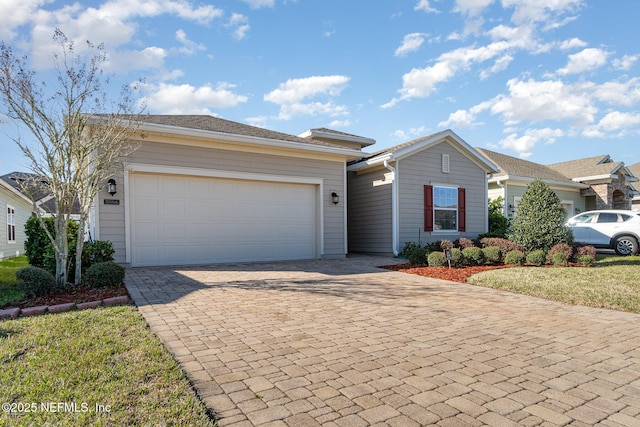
(22, 214)
(112, 218)
(425, 167)
(369, 212)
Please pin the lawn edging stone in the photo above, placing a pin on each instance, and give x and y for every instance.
(13, 313)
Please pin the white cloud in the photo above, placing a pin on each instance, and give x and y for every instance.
(186, 99)
(424, 6)
(410, 43)
(626, 62)
(340, 123)
(585, 60)
(258, 4)
(501, 64)
(290, 94)
(128, 60)
(538, 101)
(188, 47)
(617, 93)
(615, 124)
(240, 25)
(16, 13)
(412, 133)
(572, 44)
(524, 144)
(548, 12)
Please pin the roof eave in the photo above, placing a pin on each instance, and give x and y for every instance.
(577, 185)
(364, 142)
(235, 138)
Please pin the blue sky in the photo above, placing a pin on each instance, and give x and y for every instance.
(548, 81)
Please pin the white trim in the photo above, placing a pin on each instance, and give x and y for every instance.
(15, 191)
(13, 223)
(550, 182)
(363, 141)
(344, 210)
(213, 173)
(457, 209)
(596, 177)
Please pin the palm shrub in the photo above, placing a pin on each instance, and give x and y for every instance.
(540, 219)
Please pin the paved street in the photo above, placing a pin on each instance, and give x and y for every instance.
(342, 343)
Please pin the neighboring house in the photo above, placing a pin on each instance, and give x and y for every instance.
(585, 184)
(429, 189)
(515, 174)
(202, 190)
(17, 209)
(635, 201)
(609, 182)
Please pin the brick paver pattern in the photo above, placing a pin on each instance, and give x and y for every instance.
(343, 343)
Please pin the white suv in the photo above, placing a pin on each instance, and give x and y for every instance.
(614, 229)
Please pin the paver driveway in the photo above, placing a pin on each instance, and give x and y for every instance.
(344, 343)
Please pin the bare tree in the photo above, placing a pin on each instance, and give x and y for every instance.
(81, 136)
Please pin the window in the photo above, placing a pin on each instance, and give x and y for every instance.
(445, 208)
(11, 224)
(607, 217)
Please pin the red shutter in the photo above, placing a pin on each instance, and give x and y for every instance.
(428, 208)
(462, 210)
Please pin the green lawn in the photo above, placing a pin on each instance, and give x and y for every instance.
(613, 283)
(106, 366)
(10, 292)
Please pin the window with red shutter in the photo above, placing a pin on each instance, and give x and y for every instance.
(462, 210)
(428, 208)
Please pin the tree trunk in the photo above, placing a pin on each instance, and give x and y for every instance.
(79, 246)
(61, 249)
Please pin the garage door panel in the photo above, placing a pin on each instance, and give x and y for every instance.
(191, 220)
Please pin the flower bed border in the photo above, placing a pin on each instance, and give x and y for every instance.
(13, 313)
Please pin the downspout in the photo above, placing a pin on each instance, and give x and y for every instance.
(394, 210)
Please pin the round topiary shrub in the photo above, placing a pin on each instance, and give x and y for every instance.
(436, 259)
(514, 257)
(473, 256)
(492, 254)
(104, 275)
(37, 281)
(537, 257)
(562, 248)
(586, 260)
(559, 259)
(456, 257)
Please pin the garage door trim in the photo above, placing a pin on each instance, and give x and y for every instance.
(217, 173)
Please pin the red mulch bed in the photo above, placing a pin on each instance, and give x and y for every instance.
(453, 274)
(76, 295)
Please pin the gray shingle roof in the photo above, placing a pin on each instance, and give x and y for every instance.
(590, 166)
(400, 146)
(216, 124)
(635, 169)
(36, 191)
(517, 167)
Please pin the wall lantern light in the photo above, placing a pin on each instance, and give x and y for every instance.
(335, 198)
(111, 186)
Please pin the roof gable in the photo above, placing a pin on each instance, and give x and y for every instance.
(587, 167)
(515, 167)
(408, 148)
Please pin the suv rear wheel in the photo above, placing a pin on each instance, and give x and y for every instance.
(626, 245)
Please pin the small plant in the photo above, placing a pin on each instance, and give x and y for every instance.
(464, 243)
(582, 250)
(415, 253)
(95, 252)
(537, 257)
(445, 244)
(457, 259)
(37, 281)
(104, 275)
(473, 256)
(559, 259)
(586, 260)
(492, 254)
(562, 248)
(514, 257)
(437, 259)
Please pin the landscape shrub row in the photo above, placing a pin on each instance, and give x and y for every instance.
(492, 251)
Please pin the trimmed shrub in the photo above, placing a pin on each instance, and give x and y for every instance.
(540, 220)
(104, 275)
(95, 252)
(473, 256)
(537, 257)
(562, 248)
(503, 244)
(492, 254)
(498, 223)
(559, 259)
(40, 251)
(436, 259)
(586, 260)
(37, 281)
(581, 249)
(415, 253)
(456, 257)
(445, 244)
(464, 243)
(514, 257)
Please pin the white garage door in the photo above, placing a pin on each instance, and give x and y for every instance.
(178, 220)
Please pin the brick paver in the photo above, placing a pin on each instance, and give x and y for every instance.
(343, 343)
